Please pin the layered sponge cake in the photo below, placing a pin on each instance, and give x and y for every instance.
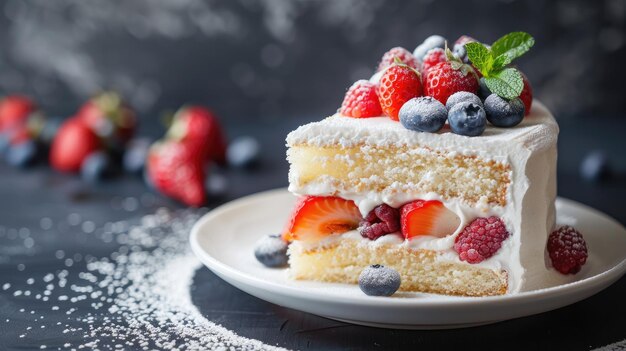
(440, 167)
(506, 173)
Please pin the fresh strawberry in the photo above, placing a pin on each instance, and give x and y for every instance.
(398, 53)
(176, 170)
(430, 217)
(399, 84)
(527, 95)
(361, 101)
(109, 117)
(72, 144)
(14, 111)
(432, 58)
(443, 80)
(199, 126)
(316, 217)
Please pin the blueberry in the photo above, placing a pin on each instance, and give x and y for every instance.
(148, 180)
(96, 167)
(243, 152)
(135, 155)
(462, 96)
(216, 184)
(502, 112)
(467, 118)
(433, 41)
(423, 114)
(595, 166)
(378, 280)
(460, 51)
(22, 154)
(271, 251)
(483, 90)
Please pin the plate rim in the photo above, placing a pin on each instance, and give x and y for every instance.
(590, 283)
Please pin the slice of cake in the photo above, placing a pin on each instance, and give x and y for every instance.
(416, 172)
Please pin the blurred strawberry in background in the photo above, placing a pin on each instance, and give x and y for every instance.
(177, 165)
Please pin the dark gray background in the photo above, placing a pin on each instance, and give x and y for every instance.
(274, 59)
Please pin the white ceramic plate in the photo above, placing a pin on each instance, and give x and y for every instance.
(224, 240)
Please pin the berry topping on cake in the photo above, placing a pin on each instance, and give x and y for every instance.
(567, 249)
(502, 112)
(361, 101)
(432, 42)
(378, 280)
(432, 58)
(316, 217)
(463, 96)
(397, 54)
(177, 170)
(423, 114)
(481, 239)
(382, 220)
(467, 118)
(449, 77)
(399, 84)
(427, 218)
(526, 95)
(271, 251)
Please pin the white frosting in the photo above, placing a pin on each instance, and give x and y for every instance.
(529, 215)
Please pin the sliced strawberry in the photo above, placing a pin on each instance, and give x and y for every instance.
(427, 218)
(316, 217)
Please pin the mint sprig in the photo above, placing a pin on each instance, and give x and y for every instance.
(492, 62)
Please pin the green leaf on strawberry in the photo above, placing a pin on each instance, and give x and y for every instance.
(492, 62)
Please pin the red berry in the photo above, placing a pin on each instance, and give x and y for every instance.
(430, 217)
(402, 54)
(382, 220)
(481, 239)
(567, 249)
(14, 111)
(176, 170)
(432, 58)
(361, 101)
(527, 95)
(109, 117)
(398, 85)
(72, 144)
(464, 39)
(442, 81)
(200, 128)
(316, 217)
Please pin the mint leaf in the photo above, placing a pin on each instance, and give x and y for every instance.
(513, 45)
(500, 62)
(480, 56)
(507, 83)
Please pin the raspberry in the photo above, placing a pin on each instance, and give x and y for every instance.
(481, 239)
(399, 84)
(567, 249)
(432, 58)
(442, 81)
(526, 95)
(382, 220)
(361, 101)
(389, 58)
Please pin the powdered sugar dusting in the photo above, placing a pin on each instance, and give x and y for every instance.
(138, 297)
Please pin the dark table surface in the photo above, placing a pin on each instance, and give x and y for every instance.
(28, 196)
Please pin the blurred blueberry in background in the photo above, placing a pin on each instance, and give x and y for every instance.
(595, 167)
